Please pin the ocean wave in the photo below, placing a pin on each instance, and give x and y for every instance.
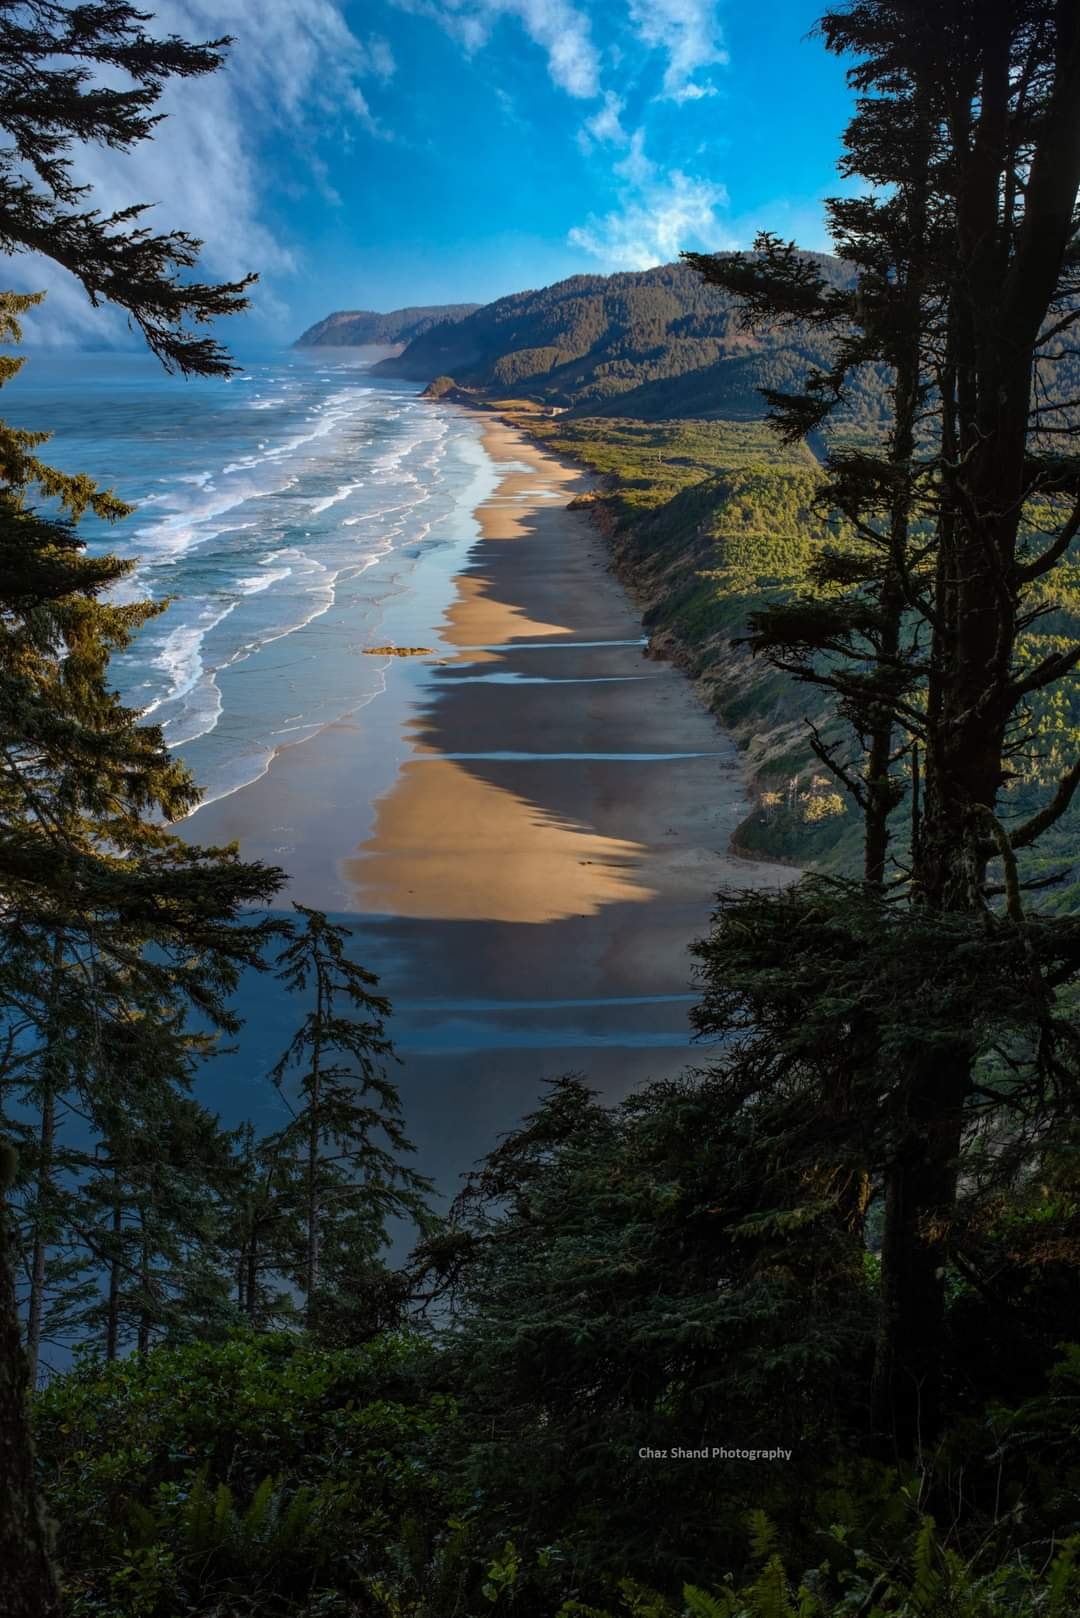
(192, 682)
(262, 581)
(322, 419)
(279, 565)
(342, 492)
(202, 710)
(319, 594)
(180, 656)
(244, 770)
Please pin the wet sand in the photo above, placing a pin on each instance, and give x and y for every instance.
(526, 831)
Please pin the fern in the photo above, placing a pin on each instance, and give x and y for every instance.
(928, 1580)
(762, 1535)
(700, 1604)
(258, 1513)
(223, 1513)
(296, 1521)
(641, 1602)
(1063, 1584)
(197, 1517)
(769, 1595)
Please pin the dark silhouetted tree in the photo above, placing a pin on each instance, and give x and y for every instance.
(345, 1137)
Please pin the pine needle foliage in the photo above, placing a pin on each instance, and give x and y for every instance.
(60, 91)
(346, 1136)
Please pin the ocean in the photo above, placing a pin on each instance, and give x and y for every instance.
(530, 914)
(281, 511)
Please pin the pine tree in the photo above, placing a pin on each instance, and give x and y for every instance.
(54, 97)
(1008, 79)
(152, 1211)
(857, 633)
(901, 1003)
(106, 913)
(29, 1582)
(264, 1232)
(87, 866)
(345, 1136)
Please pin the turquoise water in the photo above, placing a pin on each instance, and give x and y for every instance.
(282, 510)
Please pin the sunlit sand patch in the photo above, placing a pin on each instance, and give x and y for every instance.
(541, 484)
(530, 482)
(449, 846)
(477, 620)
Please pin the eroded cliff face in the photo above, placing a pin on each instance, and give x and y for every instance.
(797, 817)
(751, 702)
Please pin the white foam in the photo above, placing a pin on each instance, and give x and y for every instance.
(203, 708)
(331, 413)
(317, 571)
(342, 492)
(166, 541)
(180, 657)
(192, 524)
(244, 771)
(257, 582)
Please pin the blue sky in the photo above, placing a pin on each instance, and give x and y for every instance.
(385, 152)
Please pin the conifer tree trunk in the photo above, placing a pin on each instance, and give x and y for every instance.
(919, 1185)
(112, 1313)
(252, 1262)
(143, 1340)
(905, 401)
(28, 1588)
(1006, 278)
(312, 1275)
(241, 1272)
(50, 1084)
(920, 1198)
(43, 1196)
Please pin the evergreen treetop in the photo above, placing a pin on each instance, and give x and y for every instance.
(58, 91)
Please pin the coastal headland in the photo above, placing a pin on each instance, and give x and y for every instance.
(526, 831)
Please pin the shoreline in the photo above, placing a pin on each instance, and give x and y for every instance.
(591, 508)
(526, 831)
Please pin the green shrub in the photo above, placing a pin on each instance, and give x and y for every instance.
(259, 1469)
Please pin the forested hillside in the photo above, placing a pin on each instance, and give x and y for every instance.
(355, 328)
(651, 345)
(707, 521)
(648, 344)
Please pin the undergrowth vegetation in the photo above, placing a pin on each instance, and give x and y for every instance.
(709, 521)
(626, 1305)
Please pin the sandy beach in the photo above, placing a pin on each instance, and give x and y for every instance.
(526, 830)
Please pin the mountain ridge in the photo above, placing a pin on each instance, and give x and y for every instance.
(357, 328)
(648, 344)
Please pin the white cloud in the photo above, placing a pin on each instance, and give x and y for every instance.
(692, 92)
(637, 168)
(293, 66)
(659, 214)
(560, 30)
(689, 32)
(382, 60)
(606, 125)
